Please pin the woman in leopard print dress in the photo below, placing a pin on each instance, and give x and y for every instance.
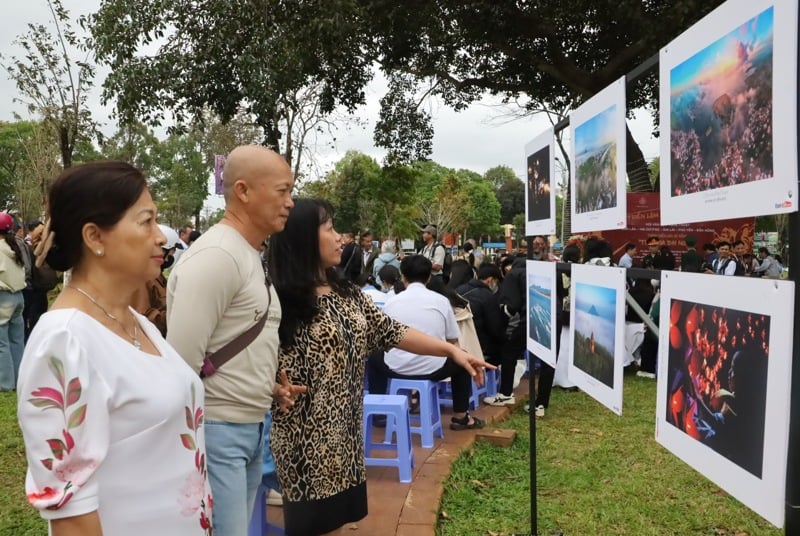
(327, 328)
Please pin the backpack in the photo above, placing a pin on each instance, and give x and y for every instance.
(447, 265)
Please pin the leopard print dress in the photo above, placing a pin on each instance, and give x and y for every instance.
(319, 445)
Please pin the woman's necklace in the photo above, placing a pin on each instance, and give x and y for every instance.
(134, 337)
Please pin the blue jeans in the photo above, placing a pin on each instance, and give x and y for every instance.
(235, 453)
(269, 477)
(12, 338)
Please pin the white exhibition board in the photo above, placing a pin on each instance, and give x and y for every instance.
(724, 379)
(597, 327)
(728, 88)
(542, 296)
(599, 161)
(540, 187)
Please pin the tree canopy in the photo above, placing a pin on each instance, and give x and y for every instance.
(550, 54)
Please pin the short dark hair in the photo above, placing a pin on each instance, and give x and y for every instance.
(737, 243)
(708, 246)
(629, 246)
(487, 270)
(194, 235)
(416, 268)
(723, 243)
(763, 250)
(96, 192)
(652, 239)
(690, 241)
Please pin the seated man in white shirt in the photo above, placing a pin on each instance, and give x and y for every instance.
(430, 313)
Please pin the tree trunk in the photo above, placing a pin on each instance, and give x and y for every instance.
(638, 174)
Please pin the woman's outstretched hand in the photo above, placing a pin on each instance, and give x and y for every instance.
(474, 365)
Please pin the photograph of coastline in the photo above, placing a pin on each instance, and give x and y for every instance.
(598, 170)
(540, 199)
(541, 277)
(728, 114)
(597, 320)
(596, 161)
(724, 371)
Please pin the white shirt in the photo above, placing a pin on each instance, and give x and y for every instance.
(428, 312)
(378, 297)
(111, 428)
(436, 254)
(626, 261)
(730, 268)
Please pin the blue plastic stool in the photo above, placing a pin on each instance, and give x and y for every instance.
(491, 381)
(395, 407)
(258, 523)
(429, 421)
(446, 394)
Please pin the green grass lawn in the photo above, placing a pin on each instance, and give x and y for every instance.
(17, 518)
(597, 474)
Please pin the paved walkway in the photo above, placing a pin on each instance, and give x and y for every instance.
(397, 509)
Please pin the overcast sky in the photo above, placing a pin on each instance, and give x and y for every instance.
(474, 139)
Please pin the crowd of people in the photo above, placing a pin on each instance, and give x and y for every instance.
(215, 363)
(189, 370)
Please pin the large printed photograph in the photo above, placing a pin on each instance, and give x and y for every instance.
(597, 326)
(540, 195)
(721, 110)
(538, 185)
(596, 162)
(728, 114)
(541, 278)
(598, 172)
(717, 378)
(724, 373)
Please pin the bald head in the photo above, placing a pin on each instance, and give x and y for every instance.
(250, 163)
(258, 186)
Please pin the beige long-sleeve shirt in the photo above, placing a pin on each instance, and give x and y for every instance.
(214, 294)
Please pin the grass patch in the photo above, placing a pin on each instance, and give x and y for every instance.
(17, 517)
(597, 474)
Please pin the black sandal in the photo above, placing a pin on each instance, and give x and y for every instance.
(464, 424)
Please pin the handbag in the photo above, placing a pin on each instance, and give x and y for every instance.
(212, 362)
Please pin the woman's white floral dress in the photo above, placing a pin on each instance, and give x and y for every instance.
(111, 428)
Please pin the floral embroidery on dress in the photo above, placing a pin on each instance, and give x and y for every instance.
(73, 471)
(193, 494)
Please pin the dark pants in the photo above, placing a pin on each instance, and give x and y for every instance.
(460, 381)
(512, 350)
(649, 352)
(35, 306)
(377, 373)
(547, 373)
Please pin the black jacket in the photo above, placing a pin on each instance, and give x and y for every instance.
(351, 261)
(490, 322)
(512, 289)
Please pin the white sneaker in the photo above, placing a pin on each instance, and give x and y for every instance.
(539, 412)
(643, 374)
(274, 498)
(500, 400)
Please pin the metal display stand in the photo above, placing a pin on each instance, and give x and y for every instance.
(792, 513)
